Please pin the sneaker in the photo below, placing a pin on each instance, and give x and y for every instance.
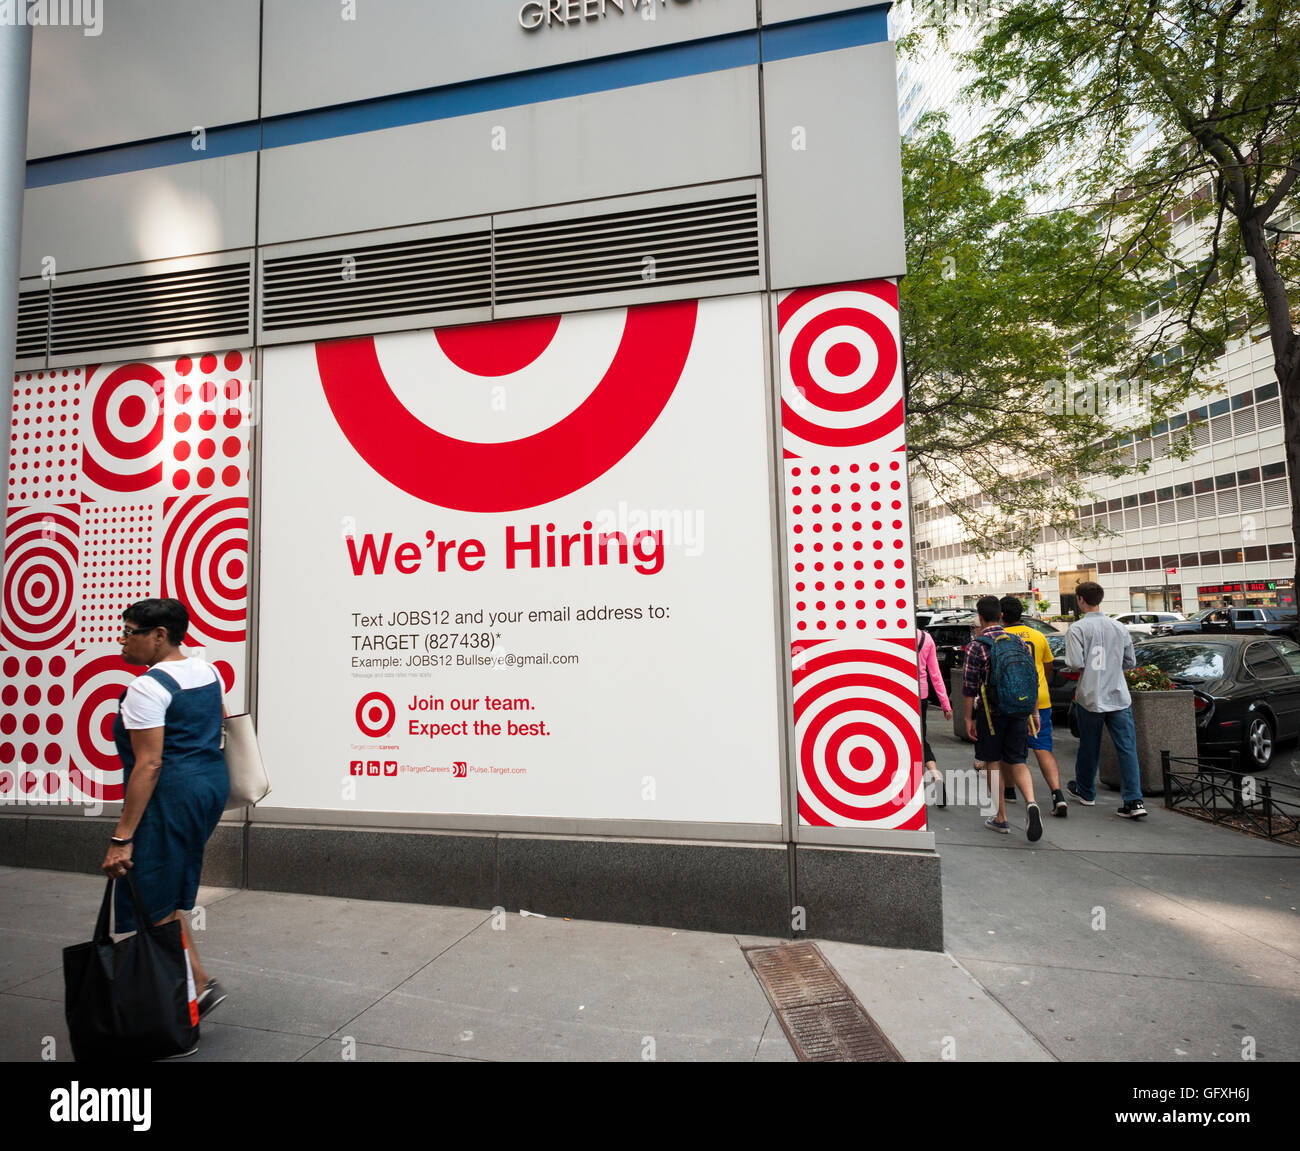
(1073, 789)
(180, 1054)
(1033, 823)
(1009, 794)
(1134, 810)
(993, 823)
(210, 996)
(1060, 808)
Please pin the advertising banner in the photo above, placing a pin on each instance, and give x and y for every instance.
(523, 568)
(126, 482)
(853, 663)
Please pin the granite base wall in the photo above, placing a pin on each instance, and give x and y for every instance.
(887, 898)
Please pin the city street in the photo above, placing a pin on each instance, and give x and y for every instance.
(1166, 940)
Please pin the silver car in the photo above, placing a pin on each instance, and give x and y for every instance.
(1141, 622)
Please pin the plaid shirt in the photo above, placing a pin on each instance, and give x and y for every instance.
(975, 663)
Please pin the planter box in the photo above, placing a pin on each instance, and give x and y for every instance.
(1161, 720)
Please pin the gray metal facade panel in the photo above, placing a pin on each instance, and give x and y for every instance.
(692, 130)
(835, 197)
(313, 57)
(155, 69)
(155, 214)
(777, 11)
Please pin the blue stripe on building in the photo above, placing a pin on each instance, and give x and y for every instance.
(670, 62)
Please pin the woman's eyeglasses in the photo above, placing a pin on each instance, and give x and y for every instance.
(129, 631)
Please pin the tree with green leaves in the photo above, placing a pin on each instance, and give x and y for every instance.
(1010, 340)
(1161, 113)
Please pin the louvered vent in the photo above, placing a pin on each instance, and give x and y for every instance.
(196, 306)
(439, 274)
(629, 250)
(33, 324)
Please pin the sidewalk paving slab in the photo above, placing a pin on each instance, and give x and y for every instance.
(1104, 1017)
(560, 990)
(930, 1007)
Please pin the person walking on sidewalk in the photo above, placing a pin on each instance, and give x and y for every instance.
(1000, 691)
(931, 682)
(1102, 648)
(1040, 743)
(168, 736)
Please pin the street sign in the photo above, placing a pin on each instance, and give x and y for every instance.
(1171, 571)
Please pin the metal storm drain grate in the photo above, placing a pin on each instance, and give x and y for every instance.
(819, 1015)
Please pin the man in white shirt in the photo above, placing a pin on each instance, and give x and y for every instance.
(1102, 648)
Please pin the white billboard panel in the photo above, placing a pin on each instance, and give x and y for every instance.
(524, 569)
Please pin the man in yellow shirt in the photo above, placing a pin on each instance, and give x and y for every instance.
(1040, 741)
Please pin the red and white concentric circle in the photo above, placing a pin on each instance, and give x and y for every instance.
(841, 368)
(376, 714)
(857, 734)
(627, 394)
(41, 562)
(205, 564)
(97, 687)
(123, 444)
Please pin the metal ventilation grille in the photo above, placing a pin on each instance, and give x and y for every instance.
(628, 251)
(33, 324)
(198, 305)
(440, 274)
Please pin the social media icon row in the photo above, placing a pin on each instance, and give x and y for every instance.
(372, 767)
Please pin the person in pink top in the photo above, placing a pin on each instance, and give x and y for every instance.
(932, 685)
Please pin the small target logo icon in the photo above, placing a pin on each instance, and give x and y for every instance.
(376, 714)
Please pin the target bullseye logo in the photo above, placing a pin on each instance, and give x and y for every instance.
(376, 714)
(841, 373)
(521, 473)
(857, 727)
(122, 452)
(41, 562)
(205, 562)
(97, 686)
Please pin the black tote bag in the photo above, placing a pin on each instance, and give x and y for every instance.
(129, 1000)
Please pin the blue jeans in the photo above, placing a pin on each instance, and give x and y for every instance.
(1125, 737)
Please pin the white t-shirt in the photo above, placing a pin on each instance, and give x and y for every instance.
(146, 701)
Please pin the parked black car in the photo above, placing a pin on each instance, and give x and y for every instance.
(1059, 687)
(1235, 621)
(1247, 689)
(1188, 626)
(950, 640)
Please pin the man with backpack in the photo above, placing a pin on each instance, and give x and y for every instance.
(1040, 742)
(1000, 691)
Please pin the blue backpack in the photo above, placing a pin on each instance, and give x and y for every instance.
(1013, 675)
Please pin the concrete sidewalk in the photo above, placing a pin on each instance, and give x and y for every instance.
(1162, 939)
(317, 979)
(1166, 940)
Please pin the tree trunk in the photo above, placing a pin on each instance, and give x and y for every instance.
(1286, 366)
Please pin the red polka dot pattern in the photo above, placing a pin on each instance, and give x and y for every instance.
(33, 752)
(119, 566)
(207, 426)
(845, 540)
(44, 439)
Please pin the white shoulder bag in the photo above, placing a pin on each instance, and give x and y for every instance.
(248, 781)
